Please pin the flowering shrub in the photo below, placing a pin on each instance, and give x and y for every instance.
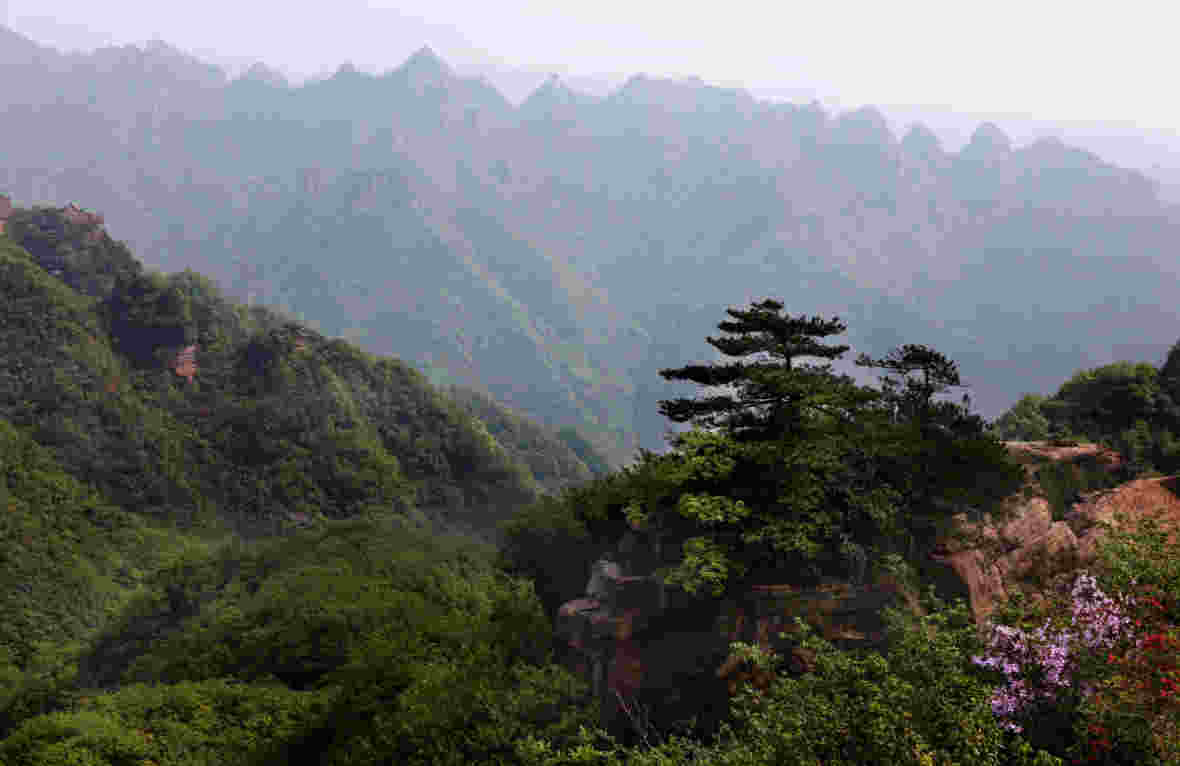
(1038, 666)
(1105, 678)
(1144, 684)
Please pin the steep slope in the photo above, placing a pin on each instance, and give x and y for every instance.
(1038, 536)
(557, 459)
(69, 560)
(165, 454)
(174, 402)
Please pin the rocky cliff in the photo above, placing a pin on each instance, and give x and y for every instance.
(644, 646)
(648, 648)
(1029, 544)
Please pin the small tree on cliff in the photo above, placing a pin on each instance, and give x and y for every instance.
(792, 472)
(762, 482)
(943, 458)
(910, 398)
(774, 395)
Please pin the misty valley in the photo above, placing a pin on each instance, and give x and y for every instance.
(381, 420)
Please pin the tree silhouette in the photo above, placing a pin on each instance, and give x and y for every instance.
(774, 396)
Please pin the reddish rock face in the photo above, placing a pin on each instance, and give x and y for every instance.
(185, 364)
(77, 215)
(1156, 498)
(5, 211)
(627, 633)
(1048, 450)
(1027, 551)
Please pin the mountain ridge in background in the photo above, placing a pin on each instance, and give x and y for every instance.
(555, 255)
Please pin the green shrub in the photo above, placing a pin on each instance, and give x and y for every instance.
(212, 722)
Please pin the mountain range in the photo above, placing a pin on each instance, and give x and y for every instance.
(556, 254)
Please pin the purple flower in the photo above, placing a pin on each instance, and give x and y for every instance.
(1101, 622)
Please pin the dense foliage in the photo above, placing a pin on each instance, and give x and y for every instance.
(141, 627)
(1130, 407)
(277, 420)
(1023, 421)
(358, 642)
(70, 562)
(799, 472)
(556, 459)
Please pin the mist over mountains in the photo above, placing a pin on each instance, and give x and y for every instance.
(557, 253)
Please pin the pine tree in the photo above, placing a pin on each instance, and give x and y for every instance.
(794, 472)
(773, 395)
(914, 399)
(943, 458)
(787, 498)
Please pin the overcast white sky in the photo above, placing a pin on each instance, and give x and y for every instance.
(1051, 59)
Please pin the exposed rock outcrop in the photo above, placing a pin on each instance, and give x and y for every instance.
(72, 245)
(1029, 550)
(185, 363)
(1156, 498)
(644, 645)
(5, 210)
(74, 214)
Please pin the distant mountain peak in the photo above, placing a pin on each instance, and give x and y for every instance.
(261, 73)
(921, 141)
(678, 95)
(634, 83)
(160, 47)
(552, 85)
(1052, 151)
(154, 59)
(182, 64)
(865, 125)
(989, 139)
(553, 93)
(16, 48)
(1051, 141)
(424, 62)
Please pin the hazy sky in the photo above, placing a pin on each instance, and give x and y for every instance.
(1051, 59)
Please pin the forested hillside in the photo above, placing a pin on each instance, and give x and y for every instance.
(274, 419)
(216, 547)
(584, 244)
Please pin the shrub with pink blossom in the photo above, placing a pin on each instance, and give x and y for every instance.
(1038, 666)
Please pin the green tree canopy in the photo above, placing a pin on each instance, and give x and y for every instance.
(1024, 421)
(1107, 399)
(1126, 406)
(796, 472)
(941, 459)
(910, 398)
(772, 392)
